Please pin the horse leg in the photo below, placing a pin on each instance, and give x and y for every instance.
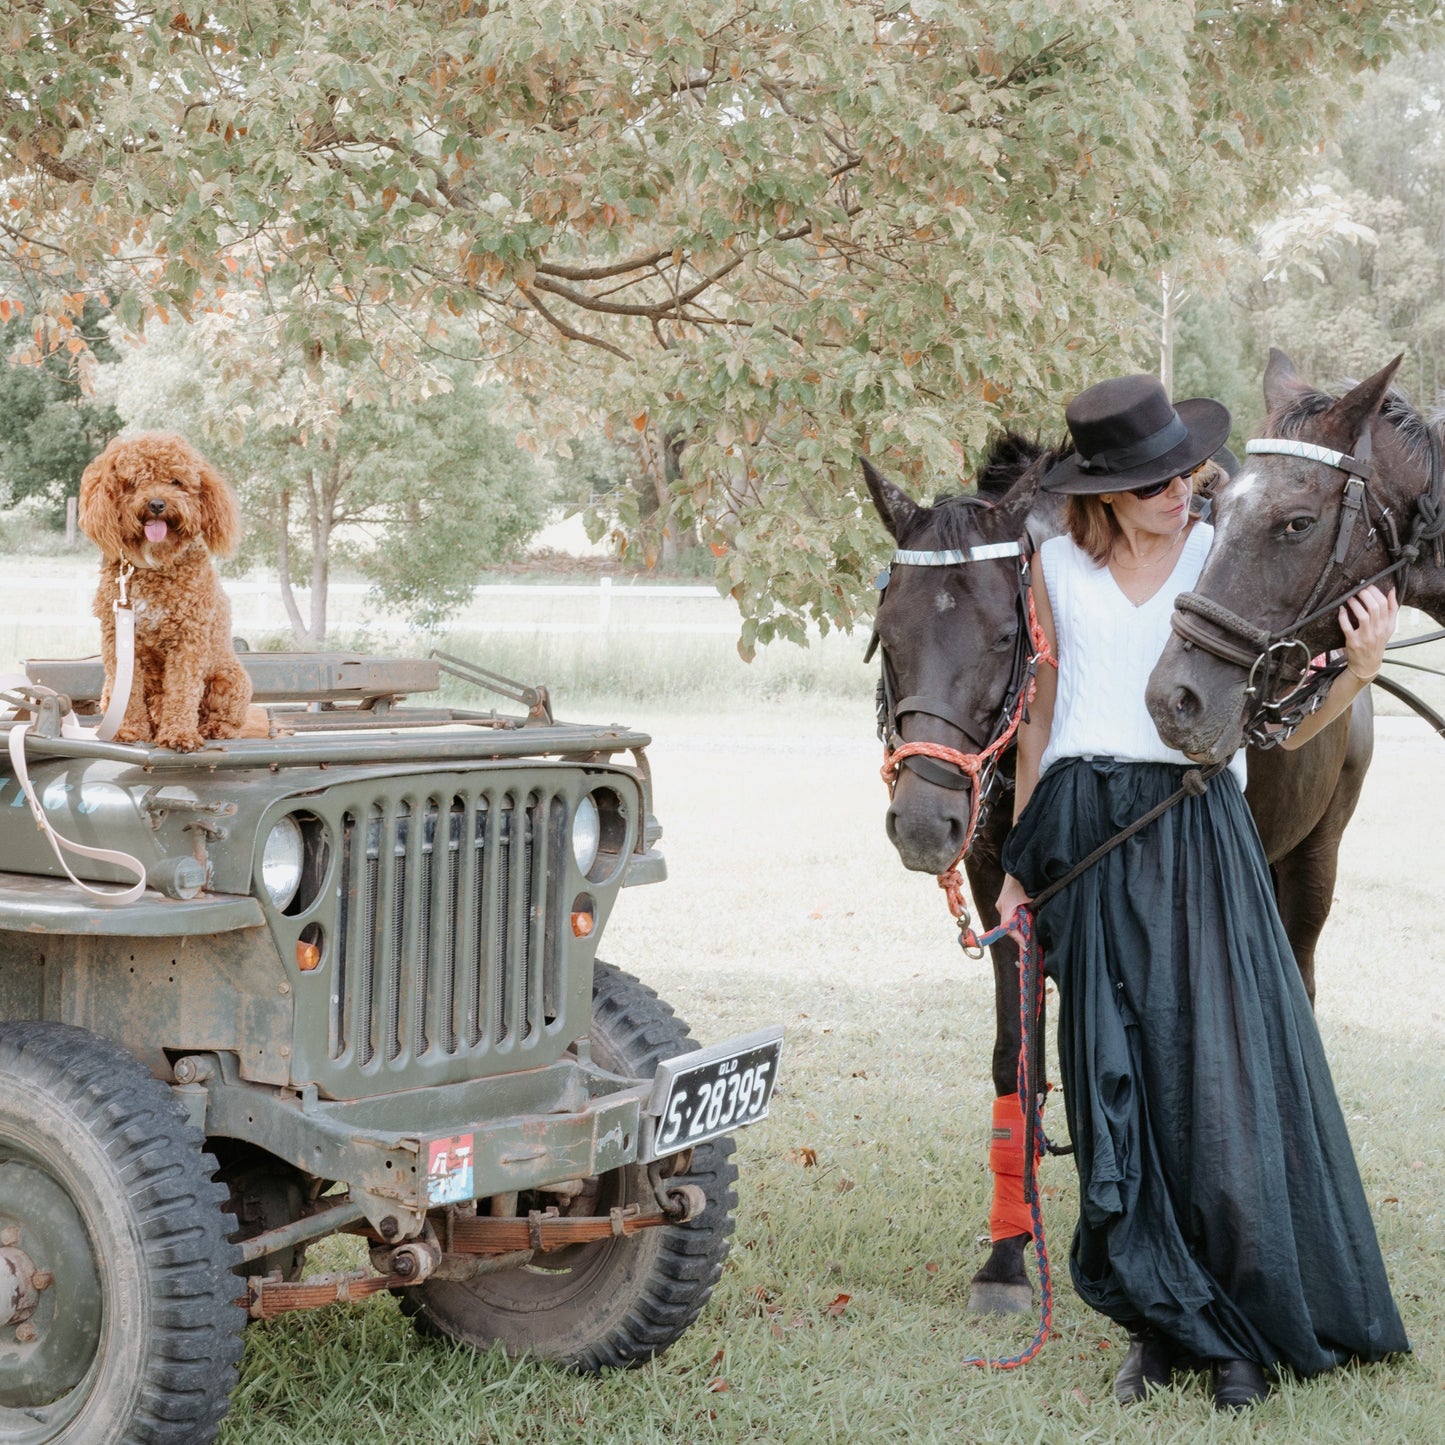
(1304, 878)
(1001, 1286)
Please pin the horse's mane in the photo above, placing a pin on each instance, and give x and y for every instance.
(1010, 455)
(1396, 408)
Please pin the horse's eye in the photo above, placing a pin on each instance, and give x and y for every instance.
(1002, 643)
(1298, 526)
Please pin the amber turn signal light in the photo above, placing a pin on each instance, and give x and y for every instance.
(584, 915)
(308, 957)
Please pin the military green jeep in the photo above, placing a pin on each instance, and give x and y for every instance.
(358, 993)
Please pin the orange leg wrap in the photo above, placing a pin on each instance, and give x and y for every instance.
(1010, 1215)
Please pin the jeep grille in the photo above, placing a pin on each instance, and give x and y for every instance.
(462, 887)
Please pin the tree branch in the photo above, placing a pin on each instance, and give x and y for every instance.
(568, 331)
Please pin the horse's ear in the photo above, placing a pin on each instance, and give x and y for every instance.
(1349, 416)
(1010, 517)
(1282, 383)
(898, 511)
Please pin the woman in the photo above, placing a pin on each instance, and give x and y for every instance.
(1221, 1213)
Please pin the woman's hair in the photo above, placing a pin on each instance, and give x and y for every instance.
(1208, 478)
(1090, 521)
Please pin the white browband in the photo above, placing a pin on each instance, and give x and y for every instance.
(986, 553)
(1278, 446)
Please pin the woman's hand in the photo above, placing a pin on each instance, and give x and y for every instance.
(1368, 621)
(1011, 897)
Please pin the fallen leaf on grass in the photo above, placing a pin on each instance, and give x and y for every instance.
(803, 1155)
(1080, 1396)
(931, 1267)
(839, 1305)
(718, 1386)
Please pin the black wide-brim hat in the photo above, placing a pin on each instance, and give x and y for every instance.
(1127, 434)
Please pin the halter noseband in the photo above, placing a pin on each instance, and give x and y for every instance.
(1282, 658)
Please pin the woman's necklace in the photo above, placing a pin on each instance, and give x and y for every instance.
(1151, 561)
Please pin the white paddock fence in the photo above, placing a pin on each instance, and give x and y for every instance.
(61, 603)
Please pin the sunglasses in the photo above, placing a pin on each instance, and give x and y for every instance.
(1155, 488)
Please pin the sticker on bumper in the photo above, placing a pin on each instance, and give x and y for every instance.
(450, 1175)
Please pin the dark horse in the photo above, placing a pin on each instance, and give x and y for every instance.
(1297, 533)
(949, 637)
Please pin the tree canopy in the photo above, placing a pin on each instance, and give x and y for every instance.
(768, 237)
(49, 427)
(1349, 273)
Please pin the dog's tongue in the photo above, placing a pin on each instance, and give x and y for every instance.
(156, 531)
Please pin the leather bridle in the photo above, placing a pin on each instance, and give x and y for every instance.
(1283, 686)
(938, 763)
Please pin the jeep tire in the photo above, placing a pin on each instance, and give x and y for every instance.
(113, 1240)
(622, 1301)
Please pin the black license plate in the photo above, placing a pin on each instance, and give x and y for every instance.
(701, 1096)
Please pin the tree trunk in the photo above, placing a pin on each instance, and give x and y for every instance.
(321, 498)
(283, 569)
(673, 445)
(1171, 299)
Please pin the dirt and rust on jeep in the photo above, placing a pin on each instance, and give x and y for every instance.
(358, 993)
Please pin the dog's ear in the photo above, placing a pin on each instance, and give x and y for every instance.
(99, 511)
(220, 516)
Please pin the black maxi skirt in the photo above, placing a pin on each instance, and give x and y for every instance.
(1219, 1198)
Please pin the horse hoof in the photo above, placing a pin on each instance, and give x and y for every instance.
(988, 1298)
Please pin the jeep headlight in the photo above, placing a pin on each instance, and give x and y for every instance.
(281, 861)
(586, 833)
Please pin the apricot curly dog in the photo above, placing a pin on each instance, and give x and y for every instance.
(153, 503)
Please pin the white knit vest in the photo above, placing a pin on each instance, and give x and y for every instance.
(1107, 649)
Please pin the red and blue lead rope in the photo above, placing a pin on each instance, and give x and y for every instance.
(1031, 1008)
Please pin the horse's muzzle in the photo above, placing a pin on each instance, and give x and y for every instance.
(1196, 702)
(928, 831)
